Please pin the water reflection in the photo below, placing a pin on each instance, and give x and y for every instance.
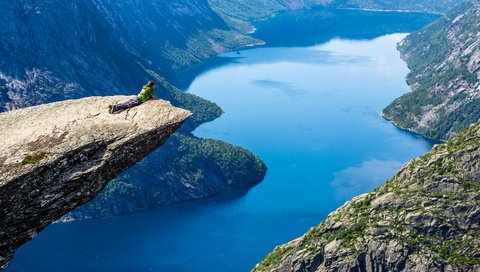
(303, 28)
(285, 88)
(353, 181)
(315, 26)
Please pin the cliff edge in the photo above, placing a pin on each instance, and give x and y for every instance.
(426, 218)
(55, 157)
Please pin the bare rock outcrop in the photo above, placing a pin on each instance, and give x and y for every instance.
(55, 157)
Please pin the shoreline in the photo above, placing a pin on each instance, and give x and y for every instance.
(393, 10)
(411, 131)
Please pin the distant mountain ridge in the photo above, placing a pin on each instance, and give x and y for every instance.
(444, 59)
(435, 6)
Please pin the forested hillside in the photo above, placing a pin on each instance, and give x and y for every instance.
(444, 59)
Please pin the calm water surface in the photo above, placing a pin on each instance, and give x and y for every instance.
(310, 109)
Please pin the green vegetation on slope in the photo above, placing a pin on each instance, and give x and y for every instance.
(444, 61)
(185, 168)
(202, 45)
(249, 10)
(426, 216)
(240, 13)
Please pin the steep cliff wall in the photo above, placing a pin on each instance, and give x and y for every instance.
(55, 157)
(444, 59)
(426, 218)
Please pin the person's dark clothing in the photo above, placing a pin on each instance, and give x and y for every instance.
(129, 104)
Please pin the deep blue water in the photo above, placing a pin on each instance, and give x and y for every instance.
(310, 109)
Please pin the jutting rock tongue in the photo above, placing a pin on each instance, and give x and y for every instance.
(55, 157)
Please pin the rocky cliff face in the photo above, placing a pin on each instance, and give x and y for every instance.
(444, 59)
(55, 157)
(426, 218)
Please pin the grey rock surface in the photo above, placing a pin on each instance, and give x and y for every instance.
(57, 156)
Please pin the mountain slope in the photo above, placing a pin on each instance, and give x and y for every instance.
(52, 50)
(240, 13)
(444, 59)
(426, 218)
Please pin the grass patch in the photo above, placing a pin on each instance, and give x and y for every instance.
(34, 158)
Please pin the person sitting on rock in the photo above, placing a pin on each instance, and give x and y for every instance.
(145, 94)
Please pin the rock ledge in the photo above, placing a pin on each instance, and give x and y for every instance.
(55, 157)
